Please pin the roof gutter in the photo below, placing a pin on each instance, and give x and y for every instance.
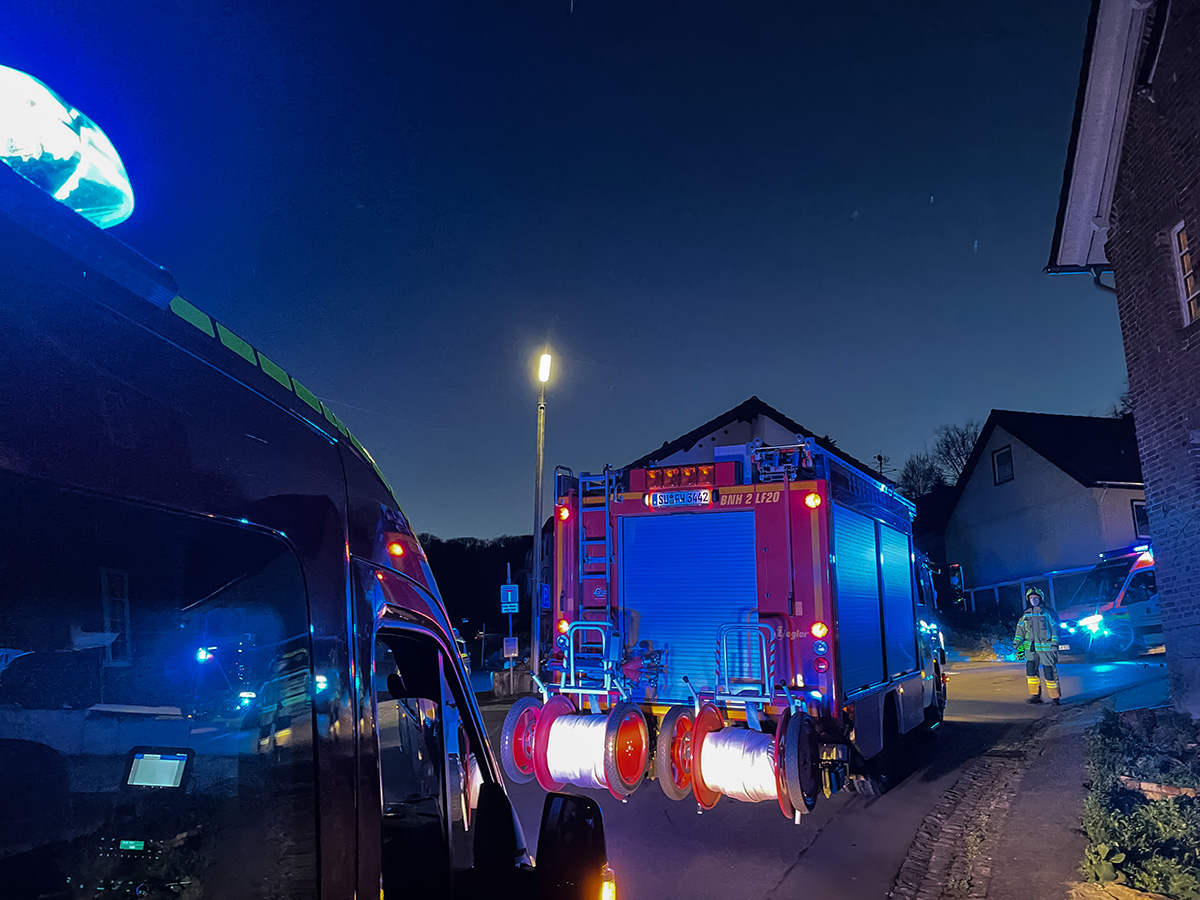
(1097, 271)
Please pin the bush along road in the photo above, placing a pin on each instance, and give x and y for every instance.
(1142, 813)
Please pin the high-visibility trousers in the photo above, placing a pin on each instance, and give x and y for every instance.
(1035, 683)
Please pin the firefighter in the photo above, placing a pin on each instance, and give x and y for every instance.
(1037, 640)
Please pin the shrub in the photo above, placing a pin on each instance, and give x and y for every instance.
(1153, 845)
(979, 638)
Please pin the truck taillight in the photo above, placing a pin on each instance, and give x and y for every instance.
(819, 629)
(812, 501)
(564, 513)
(562, 626)
(821, 664)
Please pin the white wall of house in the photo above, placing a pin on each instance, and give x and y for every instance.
(1040, 521)
(1116, 515)
(733, 434)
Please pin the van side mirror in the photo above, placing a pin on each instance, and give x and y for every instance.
(572, 854)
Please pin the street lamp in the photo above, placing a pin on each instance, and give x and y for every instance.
(535, 634)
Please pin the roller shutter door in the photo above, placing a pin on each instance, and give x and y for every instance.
(856, 578)
(686, 574)
(899, 623)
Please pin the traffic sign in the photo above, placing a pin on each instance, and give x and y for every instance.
(510, 647)
(508, 598)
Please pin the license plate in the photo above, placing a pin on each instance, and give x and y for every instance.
(699, 497)
(1064, 646)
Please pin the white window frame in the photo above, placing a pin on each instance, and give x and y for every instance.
(1186, 302)
(1012, 469)
(1133, 506)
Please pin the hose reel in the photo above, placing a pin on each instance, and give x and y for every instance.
(559, 746)
(747, 765)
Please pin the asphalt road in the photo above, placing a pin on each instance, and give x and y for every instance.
(850, 846)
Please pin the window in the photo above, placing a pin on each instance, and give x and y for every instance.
(208, 668)
(429, 772)
(1189, 282)
(1141, 521)
(1002, 465)
(1141, 588)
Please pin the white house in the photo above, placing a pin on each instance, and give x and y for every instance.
(1040, 499)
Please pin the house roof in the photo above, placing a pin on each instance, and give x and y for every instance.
(1106, 81)
(746, 412)
(1096, 451)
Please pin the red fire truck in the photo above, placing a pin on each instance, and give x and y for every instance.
(759, 627)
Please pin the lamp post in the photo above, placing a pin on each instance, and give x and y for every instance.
(535, 634)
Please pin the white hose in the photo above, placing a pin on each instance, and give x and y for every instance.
(575, 751)
(739, 763)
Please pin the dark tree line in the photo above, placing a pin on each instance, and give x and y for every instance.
(469, 572)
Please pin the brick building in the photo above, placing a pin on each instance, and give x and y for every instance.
(1131, 206)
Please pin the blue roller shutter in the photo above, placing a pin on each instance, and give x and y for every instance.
(856, 568)
(686, 574)
(898, 616)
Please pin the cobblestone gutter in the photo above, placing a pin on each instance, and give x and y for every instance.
(951, 855)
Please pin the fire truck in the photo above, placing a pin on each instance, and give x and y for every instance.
(758, 627)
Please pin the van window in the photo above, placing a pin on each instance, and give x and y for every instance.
(1141, 588)
(155, 713)
(429, 774)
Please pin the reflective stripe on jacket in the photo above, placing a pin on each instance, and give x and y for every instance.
(1038, 629)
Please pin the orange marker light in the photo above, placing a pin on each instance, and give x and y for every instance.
(395, 548)
(562, 626)
(819, 629)
(812, 501)
(564, 513)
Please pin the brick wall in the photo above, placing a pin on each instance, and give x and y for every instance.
(1158, 185)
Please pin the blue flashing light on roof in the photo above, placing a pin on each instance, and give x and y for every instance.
(49, 142)
(1141, 548)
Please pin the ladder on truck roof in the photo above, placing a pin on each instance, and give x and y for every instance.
(597, 585)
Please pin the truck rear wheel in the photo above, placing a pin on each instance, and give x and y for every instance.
(516, 740)
(626, 749)
(673, 754)
(800, 754)
(885, 766)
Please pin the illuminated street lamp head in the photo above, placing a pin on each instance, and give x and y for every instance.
(544, 368)
(49, 142)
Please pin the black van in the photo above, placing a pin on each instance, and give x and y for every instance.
(225, 669)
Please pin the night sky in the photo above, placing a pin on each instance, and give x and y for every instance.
(843, 208)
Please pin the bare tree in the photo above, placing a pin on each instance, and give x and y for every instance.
(1123, 407)
(953, 447)
(920, 475)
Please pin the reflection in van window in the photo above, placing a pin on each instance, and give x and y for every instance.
(429, 775)
(1103, 583)
(156, 721)
(1141, 589)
